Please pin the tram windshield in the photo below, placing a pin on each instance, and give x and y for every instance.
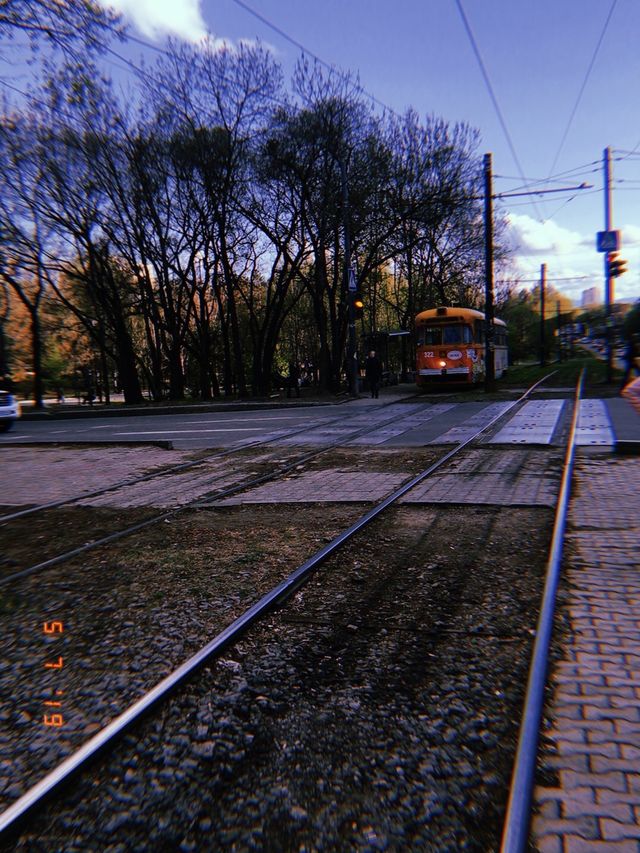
(438, 335)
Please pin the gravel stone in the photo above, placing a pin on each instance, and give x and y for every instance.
(363, 716)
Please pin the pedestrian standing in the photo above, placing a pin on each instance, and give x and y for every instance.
(373, 372)
(294, 379)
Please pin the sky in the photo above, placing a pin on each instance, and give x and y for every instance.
(565, 75)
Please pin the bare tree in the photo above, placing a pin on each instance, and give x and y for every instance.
(201, 240)
(217, 102)
(78, 264)
(66, 25)
(24, 233)
(436, 189)
(5, 307)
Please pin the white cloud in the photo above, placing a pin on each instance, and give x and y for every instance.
(573, 263)
(154, 18)
(530, 236)
(630, 236)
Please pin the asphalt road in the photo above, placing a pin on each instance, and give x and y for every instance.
(185, 431)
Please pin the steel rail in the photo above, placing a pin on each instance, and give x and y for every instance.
(152, 474)
(120, 485)
(194, 504)
(516, 827)
(228, 636)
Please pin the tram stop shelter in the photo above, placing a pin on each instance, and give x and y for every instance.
(391, 347)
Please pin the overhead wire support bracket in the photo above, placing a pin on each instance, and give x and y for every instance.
(583, 186)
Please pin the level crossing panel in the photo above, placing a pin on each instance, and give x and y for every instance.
(535, 423)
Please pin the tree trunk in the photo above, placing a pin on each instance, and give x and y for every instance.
(36, 363)
(176, 374)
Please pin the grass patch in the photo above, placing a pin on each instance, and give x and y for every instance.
(566, 375)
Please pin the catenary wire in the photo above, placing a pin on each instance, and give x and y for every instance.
(492, 95)
(574, 174)
(150, 77)
(332, 68)
(562, 206)
(314, 56)
(582, 168)
(635, 152)
(564, 201)
(584, 84)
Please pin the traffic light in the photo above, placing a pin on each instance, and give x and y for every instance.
(617, 266)
(358, 305)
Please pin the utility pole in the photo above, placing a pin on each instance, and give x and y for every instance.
(543, 282)
(347, 289)
(489, 353)
(559, 327)
(608, 281)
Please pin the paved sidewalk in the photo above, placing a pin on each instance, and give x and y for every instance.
(595, 710)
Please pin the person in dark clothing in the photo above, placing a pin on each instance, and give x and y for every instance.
(294, 379)
(631, 359)
(373, 372)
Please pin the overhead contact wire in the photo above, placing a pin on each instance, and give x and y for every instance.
(584, 84)
(493, 97)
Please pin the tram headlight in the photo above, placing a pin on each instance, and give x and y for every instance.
(443, 364)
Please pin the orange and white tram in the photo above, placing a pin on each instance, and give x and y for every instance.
(451, 346)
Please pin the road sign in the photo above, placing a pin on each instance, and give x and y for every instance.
(352, 281)
(608, 241)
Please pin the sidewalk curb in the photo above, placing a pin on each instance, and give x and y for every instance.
(140, 411)
(199, 408)
(162, 443)
(627, 448)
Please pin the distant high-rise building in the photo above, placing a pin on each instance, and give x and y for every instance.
(591, 297)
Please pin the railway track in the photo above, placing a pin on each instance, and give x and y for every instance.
(163, 471)
(242, 483)
(344, 625)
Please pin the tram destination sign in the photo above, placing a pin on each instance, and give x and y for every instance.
(608, 241)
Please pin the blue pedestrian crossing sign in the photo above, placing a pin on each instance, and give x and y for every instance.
(608, 241)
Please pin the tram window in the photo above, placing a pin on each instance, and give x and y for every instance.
(479, 330)
(429, 336)
(457, 335)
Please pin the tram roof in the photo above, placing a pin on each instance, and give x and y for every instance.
(449, 313)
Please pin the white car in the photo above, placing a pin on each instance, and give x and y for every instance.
(9, 410)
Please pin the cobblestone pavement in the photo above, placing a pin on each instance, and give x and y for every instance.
(331, 485)
(40, 474)
(595, 711)
(511, 478)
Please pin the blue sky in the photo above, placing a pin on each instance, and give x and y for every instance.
(418, 53)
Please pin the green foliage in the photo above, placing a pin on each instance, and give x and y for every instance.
(631, 324)
(565, 373)
(55, 369)
(523, 323)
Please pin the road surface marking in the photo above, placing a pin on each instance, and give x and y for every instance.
(185, 431)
